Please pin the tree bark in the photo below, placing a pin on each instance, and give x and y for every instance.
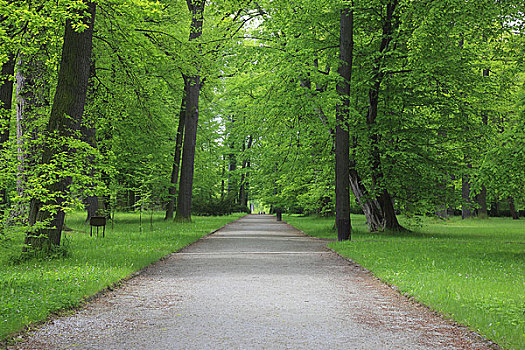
(232, 166)
(494, 208)
(32, 97)
(383, 196)
(512, 209)
(481, 198)
(6, 95)
(466, 207)
(342, 137)
(196, 8)
(369, 205)
(93, 203)
(172, 191)
(243, 188)
(64, 122)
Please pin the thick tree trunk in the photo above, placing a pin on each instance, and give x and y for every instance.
(243, 188)
(64, 122)
(512, 209)
(383, 197)
(481, 198)
(223, 173)
(92, 203)
(188, 153)
(389, 214)
(6, 95)
(132, 199)
(232, 166)
(88, 133)
(342, 137)
(172, 191)
(494, 208)
(32, 98)
(370, 206)
(196, 8)
(242, 192)
(466, 207)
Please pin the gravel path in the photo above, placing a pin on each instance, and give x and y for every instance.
(255, 284)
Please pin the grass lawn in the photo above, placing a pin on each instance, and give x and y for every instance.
(471, 270)
(31, 290)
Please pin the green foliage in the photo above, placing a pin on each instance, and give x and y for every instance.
(434, 98)
(471, 270)
(216, 207)
(32, 289)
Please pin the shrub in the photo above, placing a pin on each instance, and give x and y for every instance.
(216, 207)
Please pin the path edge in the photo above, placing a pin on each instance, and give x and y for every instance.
(445, 317)
(20, 335)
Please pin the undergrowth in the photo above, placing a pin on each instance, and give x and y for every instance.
(471, 270)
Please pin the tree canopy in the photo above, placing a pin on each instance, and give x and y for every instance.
(335, 107)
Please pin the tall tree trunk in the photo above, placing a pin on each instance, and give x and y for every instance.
(481, 198)
(494, 208)
(512, 209)
(223, 172)
(369, 205)
(342, 137)
(172, 191)
(243, 189)
(232, 166)
(32, 97)
(466, 206)
(383, 196)
(196, 8)
(64, 122)
(93, 203)
(6, 96)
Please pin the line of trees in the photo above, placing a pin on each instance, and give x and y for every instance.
(414, 106)
(89, 112)
(380, 107)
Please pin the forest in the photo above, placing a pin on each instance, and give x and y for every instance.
(382, 108)
(393, 128)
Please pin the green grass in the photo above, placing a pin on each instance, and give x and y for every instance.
(31, 290)
(472, 270)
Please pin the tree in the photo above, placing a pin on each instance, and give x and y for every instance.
(62, 128)
(6, 93)
(193, 82)
(342, 138)
(172, 190)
